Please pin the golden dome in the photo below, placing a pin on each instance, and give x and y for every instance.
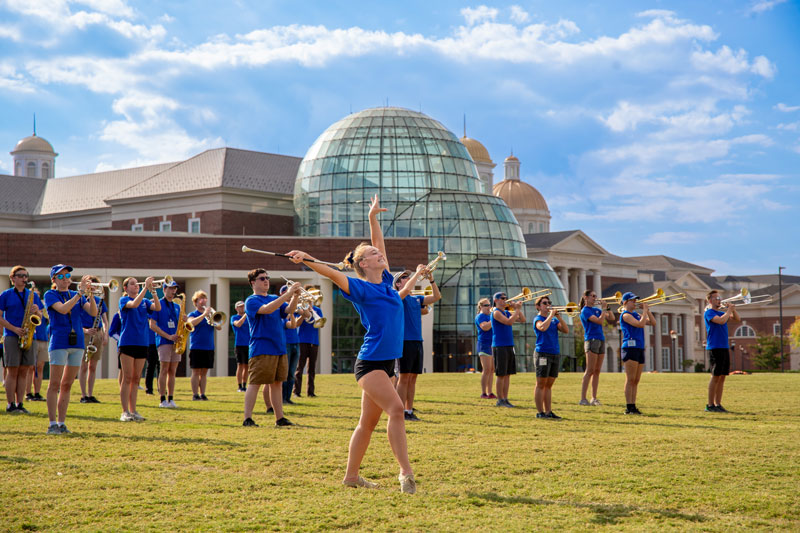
(512, 157)
(476, 150)
(519, 195)
(33, 144)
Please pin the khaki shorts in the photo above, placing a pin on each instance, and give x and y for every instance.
(166, 354)
(266, 369)
(98, 343)
(42, 352)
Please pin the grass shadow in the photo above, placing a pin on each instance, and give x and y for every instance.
(138, 438)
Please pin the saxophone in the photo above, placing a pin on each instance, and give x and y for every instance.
(184, 327)
(29, 323)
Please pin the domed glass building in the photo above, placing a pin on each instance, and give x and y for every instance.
(427, 180)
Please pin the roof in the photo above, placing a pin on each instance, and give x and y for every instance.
(663, 262)
(476, 150)
(20, 195)
(733, 278)
(641, 290)
(773, 279)
(711, 281)
(519, 195)
(33, 144)
(547, 240)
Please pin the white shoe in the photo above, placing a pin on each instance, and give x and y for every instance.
(137, 417)
(595, 402)
(165, 403)
(407, 484)
(126, 417)
(583, 402)
(172, 404)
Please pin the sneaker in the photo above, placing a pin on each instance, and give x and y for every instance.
(297, 394)
(126, 417)
(171, 404)
(29, 397)
(149, 392)
(270, 410)
(595, 402)
(203, 397)
(249, 422)
(85, 399)
(62, 428)
(492, 396)
(584, 402)
(484, 396)
(507, 403)
(240, 389)
(311, 395)
(196, 397)
(711, 409)
(137, 417)
(636, 410)
(165, 403)
(11, 409)
(54, 430)
(38, 397)
(500, 403)
(283, 422)
(22, 410)
(721, 409)
(630, 412)
(551, 415)
(412, 416)
(407, 483)
(288, 401)
(541, 415)
(92, 399)
(360, 482)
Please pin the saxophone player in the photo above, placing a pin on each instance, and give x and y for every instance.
(165, 324)
(16, 305)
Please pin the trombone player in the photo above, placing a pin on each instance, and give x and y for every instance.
(594, 341)
(505, 360)
(201, 342)
(718, 349)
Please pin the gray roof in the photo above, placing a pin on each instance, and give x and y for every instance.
(663, 262)
(20, 195)
(639, 289)
(733, 278)
(711, 281)
(547, 240)
(773, 279)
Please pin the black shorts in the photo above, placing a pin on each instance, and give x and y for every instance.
(633, 354)
(201, 358)
(152, 353)
(411, 362)
(364, 367)
(547, 364)
(505, 360)
(242, 354)
(720, 361)
(137, 352)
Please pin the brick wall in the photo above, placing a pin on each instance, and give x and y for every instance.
(218, 222)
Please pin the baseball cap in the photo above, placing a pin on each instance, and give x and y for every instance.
(498, 295)
(628, 296)
(400, 275)
(58, 268)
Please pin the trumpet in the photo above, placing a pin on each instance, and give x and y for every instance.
(340, 265)
(430, 267)
(311, 296)
(98, 289)
(427, 291)
(157, 284)
(215, 318)
(571, 309)
(316, 320)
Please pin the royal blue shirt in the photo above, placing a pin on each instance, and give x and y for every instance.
(42, 333)
(134, 322)
(412, 318)
(590, 329)
(115, 327)
(202, 338)
(381, 312)
(547, 341)
(502, 335)
(167, 320)
(12, 304)
(484, 337)
(716, 334)
(61, 325)
(290, 333)
(88, 320)
(241, 335)
(266, 330)
(632, 337)
(307, 333)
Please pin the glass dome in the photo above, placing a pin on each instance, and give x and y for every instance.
(428, 182)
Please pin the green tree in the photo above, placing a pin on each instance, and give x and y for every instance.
(768, 353)
(580, 354)
(794, 332)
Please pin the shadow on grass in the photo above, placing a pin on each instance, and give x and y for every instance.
(604, 513)
(9, 459)
(138, 438)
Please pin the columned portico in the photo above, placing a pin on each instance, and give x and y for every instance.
(563, 273)
(597, 285)
(581, 284)
(573, 285)
(688, 336)
(657, 352)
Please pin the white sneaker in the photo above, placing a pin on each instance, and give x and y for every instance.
(583, 402)
(165, 403)
(126, 417)
(172, 404)
(407, 484)
(137, 417)
(595, 402)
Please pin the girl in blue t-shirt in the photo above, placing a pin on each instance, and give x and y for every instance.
(201, 344)
(594, 342)
(632, 325)
(483, 321)
(381, 310)
(547, 356)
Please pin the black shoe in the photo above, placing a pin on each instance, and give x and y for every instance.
(11, 408)
(85, 399)
(720, 409)
(196, 397)
(288, 401)
(636, 410)
(541, 415)
(148, 392)
(283, 422)
(92, 399)
(21, 409)
(711, 409)
(507, 403)
(203, 397)
(553, 416)
(270, 410)
(38, 397)
(311, 395)
(248, 422)
(630, 412)
(29, 397)
(411, 416)
(500, 403)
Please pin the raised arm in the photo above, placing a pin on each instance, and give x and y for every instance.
(375, 231)
(337, 277)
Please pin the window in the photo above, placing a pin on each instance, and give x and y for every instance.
(137, 227)
(531, 227)
(18, 169)
(664, 324)
(679, 324)
(649, 329)
(31, 170)
(744, 331)
(45, 170)
(165, 225)
(541, 227)
(679, 354)
(194, 225)
(776, 329)
(665, 359)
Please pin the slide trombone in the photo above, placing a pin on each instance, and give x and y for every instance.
(571, 309)
(745, 298)
(157, 284)
(616, 299)
(215, 318)
(656, 299)
(339, 266)
(527, 295)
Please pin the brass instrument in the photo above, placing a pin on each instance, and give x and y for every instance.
(308, 299)
(427, 291)
(157, 284)
(433, 265)
(30, 322)
(98, 289)
(339, 266)
(316, 320)
(656, 299)
(745, 298)
(91, 349)
(616, 299)
(184, 326)
(527, 295)
(571, 309)
(215, 318)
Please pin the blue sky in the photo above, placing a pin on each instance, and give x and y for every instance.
(655, 127)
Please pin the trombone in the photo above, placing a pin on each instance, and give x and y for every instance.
(99, 288)
(656, 299)
(340, 265)
(571, 309)
(745, 298)
(427, 291)
(215, 318)
(616, 299)
(527, 295)
(157, 284)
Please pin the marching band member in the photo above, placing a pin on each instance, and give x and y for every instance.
(97, 337)
(290, 330)
(268, 363)
(411, 362)
(483, 321)
(505, 360)
(547, 355)
(16, 362)
(153, 365)
(66, 340)
(241, 344)
(41, 340)
(308, 338)
(381, 310)
(633, 347)
(164, 324)
(201, 344)
(717, 344)
(134, 309)
(594, 342)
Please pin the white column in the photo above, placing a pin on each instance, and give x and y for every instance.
(688, 337)
(597, 283)
(326, 334)
(563, 273)
(657, 332)
(192, 285)
(223, 304)
(573, 286)
(427, 340)
(108, 366)
(581, 283)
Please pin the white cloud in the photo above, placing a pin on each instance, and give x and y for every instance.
(519, 15)
(109, 76)
(751, 177)
(787, 108)
(656, 13)
(10, 33)
(730, 62)
(672, 237)
(109, 7)
(478, 14)
(13, 81)
(764, 5)
(788, 126)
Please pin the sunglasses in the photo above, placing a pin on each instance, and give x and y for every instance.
(545, 303)
(262, 278)
(18, 275)
(63, 276)
(502, 298)
(485, 305)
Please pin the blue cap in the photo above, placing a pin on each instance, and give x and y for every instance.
(628, 296)
(498, 295)
(58, 268)
(172, 283)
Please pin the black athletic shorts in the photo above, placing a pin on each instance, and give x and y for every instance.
(547, 364)
(137, 352)
(364, 367)
(505, 360)
(720, 361)
(633, 354)
(201, 358)
(242, 354)
(411, 362)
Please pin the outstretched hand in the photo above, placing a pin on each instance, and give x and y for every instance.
(297, 256)
(375, 207)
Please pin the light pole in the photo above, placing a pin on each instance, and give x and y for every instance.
(733, 354)
(674, 336)
(780, 309)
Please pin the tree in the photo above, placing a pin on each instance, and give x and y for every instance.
(580, 354)
(768, 353)
(794, 332)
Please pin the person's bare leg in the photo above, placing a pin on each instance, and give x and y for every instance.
(67, 379)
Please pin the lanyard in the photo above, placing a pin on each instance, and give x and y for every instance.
(170, 309)
(21, 296)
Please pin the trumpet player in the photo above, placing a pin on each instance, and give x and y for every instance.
(594, 342)
(411, 362)
(632, 325)
(95, 330)
(164, 323)
(308, 339)
(505, 360)
(17, 363)
(547, 356)
(290, 331)
(241, 344)
(201, 344)
(66, 340)
(716, 320)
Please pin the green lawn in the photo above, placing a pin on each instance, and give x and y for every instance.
(478, 467)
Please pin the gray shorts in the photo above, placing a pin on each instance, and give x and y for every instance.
(597, 346)
(547, 364)
(13, 356)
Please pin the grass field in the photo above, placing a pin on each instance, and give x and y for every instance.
(478, 467)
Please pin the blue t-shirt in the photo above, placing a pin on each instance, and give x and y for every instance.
(12, 304)
(502, 335)
(61, 325)
(167, 320)
(716, 334)
(307, 333)
(88, 320)
(202, 338)
(266, 330)
(632, 337)
(590, 329)
(42, 333)
(241, 335)
(547, 341)
(115, 327)
(484, 337)
(290, 333)
(381, 312)
(412, 315)
(135, 324)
